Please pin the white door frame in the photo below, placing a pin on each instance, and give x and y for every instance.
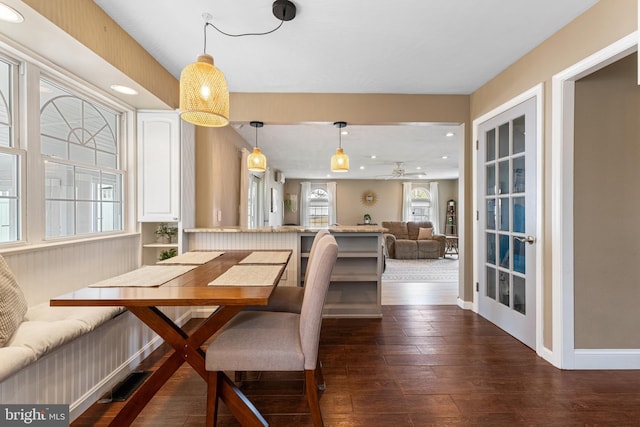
(537, 92)
(564, 354)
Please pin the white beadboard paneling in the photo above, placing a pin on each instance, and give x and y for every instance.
(47, 272)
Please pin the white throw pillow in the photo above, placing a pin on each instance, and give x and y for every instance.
(13, 304)
(425, 234)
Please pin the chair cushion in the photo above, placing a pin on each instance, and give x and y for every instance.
(13, 304)
(257, 341)
(425, 234)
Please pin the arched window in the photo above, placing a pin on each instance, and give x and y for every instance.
(420, 204)
(319, 208)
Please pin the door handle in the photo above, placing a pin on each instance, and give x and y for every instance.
(529, 239)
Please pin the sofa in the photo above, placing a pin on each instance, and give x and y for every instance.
(401, 240)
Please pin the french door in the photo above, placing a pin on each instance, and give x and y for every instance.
(507, 220)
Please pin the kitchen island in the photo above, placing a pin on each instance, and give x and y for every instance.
(356, 279)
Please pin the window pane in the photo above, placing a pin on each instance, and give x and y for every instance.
(491, 282)
(504, 251)
(503, 177)
(518, 135)
(518, 175)
(491, 248)
(519, 294)
(491, 145)
(519, 256)
(491, 214)
(87, 217)
(8, 175)
(111, 217)
(58, 181)
(60, 218)
(491, 180)
(9, 220)
(518, 215)
(503, 288)
(503, 206)
(503, 140)
(87, 184)
(6, 104)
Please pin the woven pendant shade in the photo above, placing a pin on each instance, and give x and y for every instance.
(204, 96)
(256, 161)
(339, 161)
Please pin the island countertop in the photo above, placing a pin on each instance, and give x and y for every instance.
(289, 229)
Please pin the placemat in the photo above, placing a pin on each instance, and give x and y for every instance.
(147, 276)
(248, 275)
(192, 258)
(266, 257)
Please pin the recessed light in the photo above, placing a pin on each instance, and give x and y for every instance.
(361, 168)
(328, 175)
(445, 157)
(418, 167)
(450, 134)
(373, 156)
(126, 90)
(344, 132)
(9, 14)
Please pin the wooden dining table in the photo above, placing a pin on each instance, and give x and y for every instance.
(189, 289)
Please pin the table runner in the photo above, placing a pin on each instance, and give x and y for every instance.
(266, 257)
(147, 276)
(248, 275)
(192, 258)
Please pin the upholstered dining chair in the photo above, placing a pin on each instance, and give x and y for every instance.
(276, 341)
(289, 298)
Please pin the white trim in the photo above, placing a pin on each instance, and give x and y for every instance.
(466, 305)
(607, 358)
(535, 92)
(564, 354)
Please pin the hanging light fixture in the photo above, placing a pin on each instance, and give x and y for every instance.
(340, 161)
(204, 96)
(256, 162)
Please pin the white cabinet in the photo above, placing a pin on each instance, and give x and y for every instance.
(355, 288)
(166, 178)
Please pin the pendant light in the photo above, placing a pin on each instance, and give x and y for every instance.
(256, 162)
(204, 95)
(340, 161)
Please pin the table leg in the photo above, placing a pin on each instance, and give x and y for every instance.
(187, 349)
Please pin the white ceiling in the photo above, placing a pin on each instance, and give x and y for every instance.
(337, 46)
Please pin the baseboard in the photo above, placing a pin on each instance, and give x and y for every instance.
(466, 305)
(607, 359)
(120, 373)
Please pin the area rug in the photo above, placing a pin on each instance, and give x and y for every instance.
(421, 270)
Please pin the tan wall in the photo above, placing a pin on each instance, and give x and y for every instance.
(606, 22)
(217, 176)
(350, 210)
(607, 202)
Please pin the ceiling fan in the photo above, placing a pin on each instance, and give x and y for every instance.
(399, 172)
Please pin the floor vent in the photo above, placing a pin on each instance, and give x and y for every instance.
(126, 388)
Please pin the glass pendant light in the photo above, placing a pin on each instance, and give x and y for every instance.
(204, 95)
(256, 162)
(340, 161)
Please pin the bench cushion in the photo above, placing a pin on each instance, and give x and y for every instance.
(13, 359)
(13, 304)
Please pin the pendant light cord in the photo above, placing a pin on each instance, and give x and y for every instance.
(209, 24)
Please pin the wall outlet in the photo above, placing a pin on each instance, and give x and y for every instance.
(219, 215)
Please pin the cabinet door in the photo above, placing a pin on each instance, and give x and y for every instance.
(158, 167)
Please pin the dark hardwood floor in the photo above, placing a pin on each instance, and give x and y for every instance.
(418, 366)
